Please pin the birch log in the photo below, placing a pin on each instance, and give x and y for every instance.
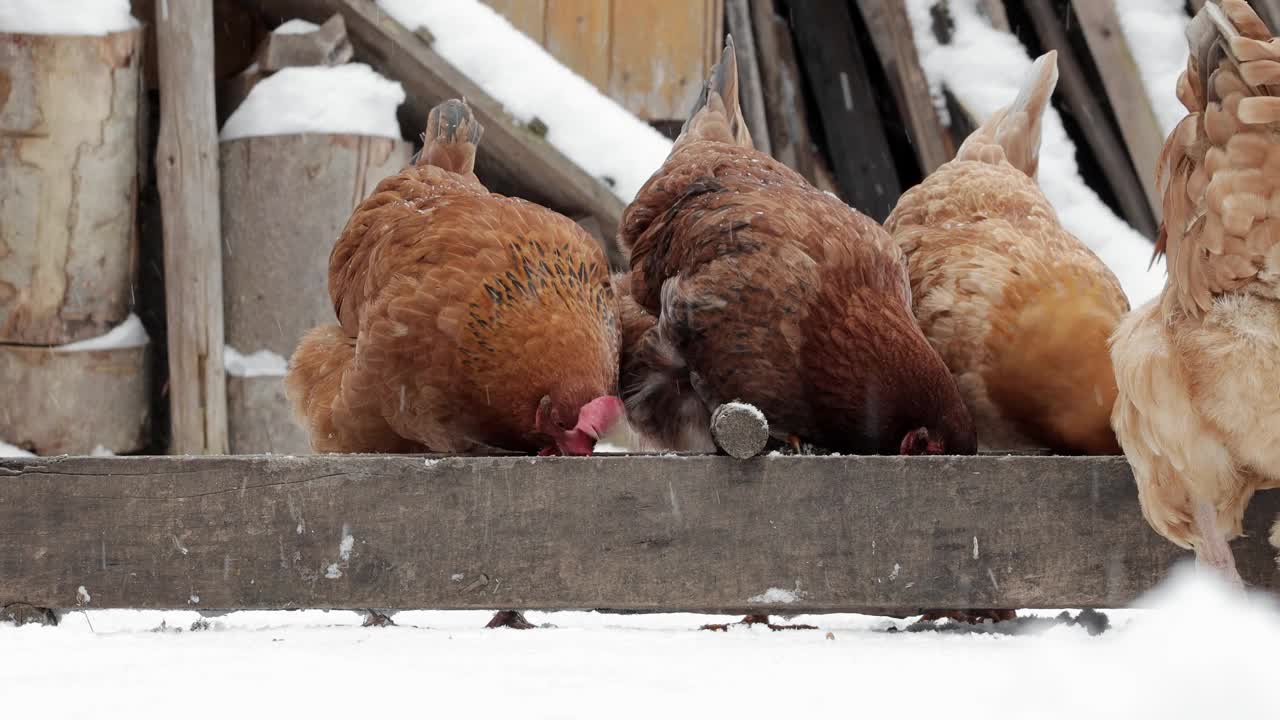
(187, 176)
(68, 184)
(285, 200)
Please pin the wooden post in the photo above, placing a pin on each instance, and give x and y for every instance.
(187, 175)
(68, 184)
(750, 92)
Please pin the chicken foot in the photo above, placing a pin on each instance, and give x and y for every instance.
(513, 619)
(750, 620)
(1213, 552)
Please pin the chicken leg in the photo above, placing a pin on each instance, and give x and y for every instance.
(1213, 553)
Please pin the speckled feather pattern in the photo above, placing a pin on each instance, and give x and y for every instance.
(1020, 310)
(461, 309)
(780, 295)
(1198, 413)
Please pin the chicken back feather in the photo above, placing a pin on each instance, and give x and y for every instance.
(1020, 310)
(750, 284)
(1198, 413)
(466, 320)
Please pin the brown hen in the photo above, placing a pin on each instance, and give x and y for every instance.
(1198, 413)
(1020, 310)
(467, 320)
(763, 289)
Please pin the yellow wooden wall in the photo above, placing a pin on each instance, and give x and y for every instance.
(652, 56)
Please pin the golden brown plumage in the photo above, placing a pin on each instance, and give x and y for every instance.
(1020, 309)
(1198, 413)
(767, 290)
(467, 320)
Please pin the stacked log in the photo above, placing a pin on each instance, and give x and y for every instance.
(285, 200)
(68, 241)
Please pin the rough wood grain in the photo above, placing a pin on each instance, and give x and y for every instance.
(739, 430)
(835, 66)
(327, 45)
(750, 90)
(577, 34)
(658, 56)
(891, 32)
(68, 184)
(1093, 118)
(1122, 79)
(528, 16)
(285, 200)
(512, 159)
(187, 176)
(260, 419)
(57, 402)
(785, 112)
(656, 533)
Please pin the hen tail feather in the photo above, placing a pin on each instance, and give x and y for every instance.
(452, 135)
(1013, 133)
(717, 115)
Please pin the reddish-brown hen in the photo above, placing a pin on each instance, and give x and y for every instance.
(1020, 309)
(763, 289)
(1198, 412)
(467, 320)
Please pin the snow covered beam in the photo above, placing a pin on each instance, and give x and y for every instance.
(703, 533)
(511, 156)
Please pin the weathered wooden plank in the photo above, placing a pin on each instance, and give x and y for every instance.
(511, 159)
(1082, 99)
(658, 52)
(655, 533)
(577, 34)
(750, 90)
(891, 32)
(526, 15)
(68, 184)
(1122, 79)
(785, 113)
(187, 176)
(835, 65)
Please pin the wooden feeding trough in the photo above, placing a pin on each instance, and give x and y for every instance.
(657, 533)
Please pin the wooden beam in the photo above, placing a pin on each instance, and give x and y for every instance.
(835, 66)
(750, 91)
(1093, 118)
(891, 33)
(512, 158)
(1122, 79)
(187, 176)
(702, 533)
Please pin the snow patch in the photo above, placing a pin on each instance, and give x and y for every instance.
(985, 68)
(296, 26)
(348, 542)
(260, 363)
(1155, 31)
(66, 17)
(346, 99)
(82, 596)
(897, 569)
(332, 572)
(101, 451)
(7, 450)
(456, 577)
(592, 130)
(776, 596)
(128, 334)
(194, 599)
(752, 409)
(975, 547)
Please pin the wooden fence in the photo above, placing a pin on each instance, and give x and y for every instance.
(663, 533)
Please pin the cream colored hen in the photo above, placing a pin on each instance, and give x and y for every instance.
(1198, 412)
(1019, 309)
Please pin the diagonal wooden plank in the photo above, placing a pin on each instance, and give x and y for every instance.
(512, 158)
(1122, 79)
(700, 533)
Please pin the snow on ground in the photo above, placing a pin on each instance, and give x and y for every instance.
(65, 17)
(984, 68)
(350, 98)
(592, 130)
(1155, 31)
(1196, 653)
(127, 334)
(260, 363)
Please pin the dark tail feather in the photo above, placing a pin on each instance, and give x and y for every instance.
(717, 115)
(451, 138)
